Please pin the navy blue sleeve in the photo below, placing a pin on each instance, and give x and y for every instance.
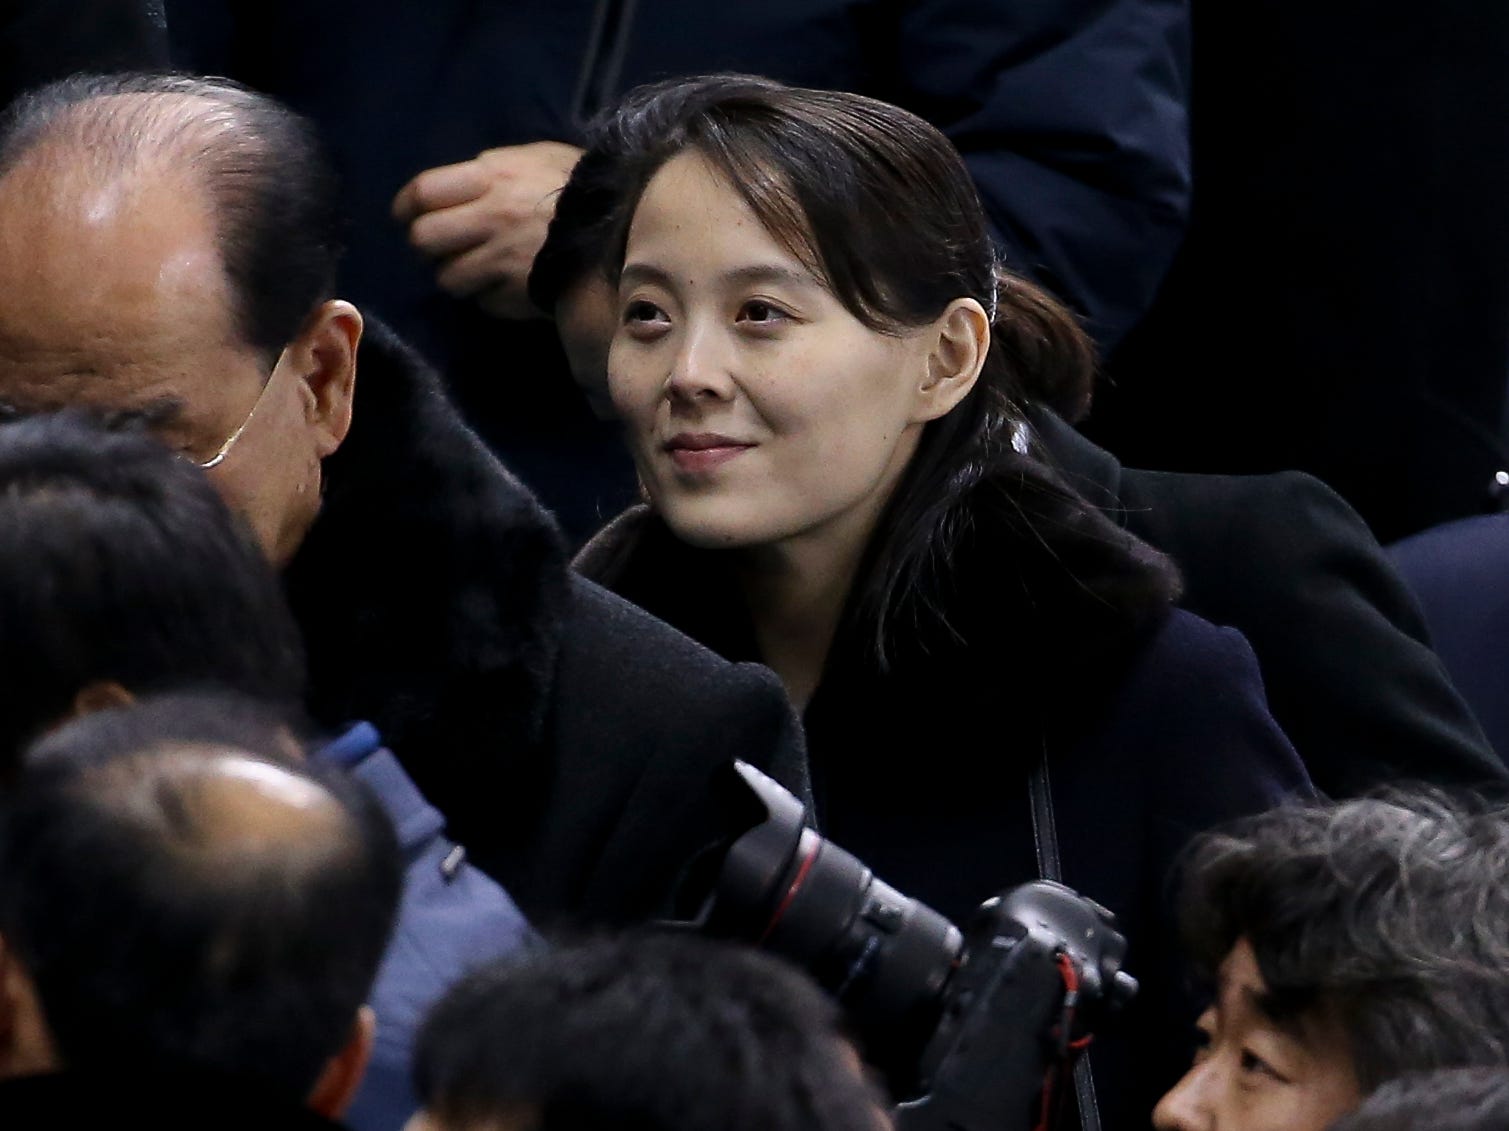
(1073, 118)
(1188, 746)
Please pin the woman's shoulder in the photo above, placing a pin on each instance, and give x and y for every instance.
(1192, 702)
(1189, 673)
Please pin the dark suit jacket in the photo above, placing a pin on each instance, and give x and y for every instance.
(1460, 573)
(1342, 645)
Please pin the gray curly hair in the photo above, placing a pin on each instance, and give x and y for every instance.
(1387, 914)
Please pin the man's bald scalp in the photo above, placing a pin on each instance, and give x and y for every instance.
(185, 903)
(263, 169)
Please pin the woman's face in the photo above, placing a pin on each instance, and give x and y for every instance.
(760, 411)
(1253, 1074)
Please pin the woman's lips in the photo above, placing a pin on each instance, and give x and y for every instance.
(703, 452)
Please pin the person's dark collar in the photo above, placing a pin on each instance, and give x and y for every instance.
(1091, 470)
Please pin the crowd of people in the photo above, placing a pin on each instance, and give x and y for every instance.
(362, 769)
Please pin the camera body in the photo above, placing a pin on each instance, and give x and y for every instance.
(978, 1033)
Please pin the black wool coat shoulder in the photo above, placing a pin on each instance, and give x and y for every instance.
(572, 741)
(1343, 646)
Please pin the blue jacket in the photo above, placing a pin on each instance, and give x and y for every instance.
(1458, 573)
(452, 918)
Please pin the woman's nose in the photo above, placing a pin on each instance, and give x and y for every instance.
(700, 369)
(1185, 1106)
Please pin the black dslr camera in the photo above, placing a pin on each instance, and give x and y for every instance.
(977, 1032)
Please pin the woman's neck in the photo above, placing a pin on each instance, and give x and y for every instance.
(796, 592)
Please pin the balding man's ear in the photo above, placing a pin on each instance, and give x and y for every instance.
(342, 1077)
(26, 1046)
(100, 695)
(324, 356)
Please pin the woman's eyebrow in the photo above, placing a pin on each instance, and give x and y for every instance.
(644, 273)
(770, 273)
(745, 275)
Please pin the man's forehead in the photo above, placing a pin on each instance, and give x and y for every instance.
(107, 290)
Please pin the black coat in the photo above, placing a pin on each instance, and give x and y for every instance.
(1070, 115)
(921, 771)
(570, 739)
(1341, 303)
(1344, 650)
(43, 40)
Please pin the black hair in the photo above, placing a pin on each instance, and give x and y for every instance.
(120, 563)
(653, 1033)
(269, 181)
(1386, 915)
(165, 931)
(879, 205)
(1453, 1099)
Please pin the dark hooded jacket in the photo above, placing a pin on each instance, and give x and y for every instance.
(1070, 115)
(572, 742)
(1152, 724)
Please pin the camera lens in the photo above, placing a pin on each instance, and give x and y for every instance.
(886, 957)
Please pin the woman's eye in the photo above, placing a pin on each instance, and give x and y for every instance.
(645, 318)
(760, 312)
(1203, 1040)
(1251, 1062)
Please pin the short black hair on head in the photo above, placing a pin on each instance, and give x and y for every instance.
(119, 562)
(165, 927)
(269, 181)
(1388, 915)
(207, 717)
(1453, 1099)
(653, 1033)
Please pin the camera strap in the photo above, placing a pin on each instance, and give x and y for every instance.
(1050, 867)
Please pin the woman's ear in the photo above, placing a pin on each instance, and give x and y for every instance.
(958, 341)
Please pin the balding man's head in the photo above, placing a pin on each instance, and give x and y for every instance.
(168, 245)
(179, 903)
(257, 168)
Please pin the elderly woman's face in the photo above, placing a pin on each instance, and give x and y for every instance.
(1253, 1074)
(758, 408)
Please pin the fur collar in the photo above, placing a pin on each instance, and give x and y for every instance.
(1047, 598)
(432, 586)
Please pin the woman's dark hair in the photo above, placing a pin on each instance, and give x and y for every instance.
(1386, 915)
(879, 205)
(119, 562)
